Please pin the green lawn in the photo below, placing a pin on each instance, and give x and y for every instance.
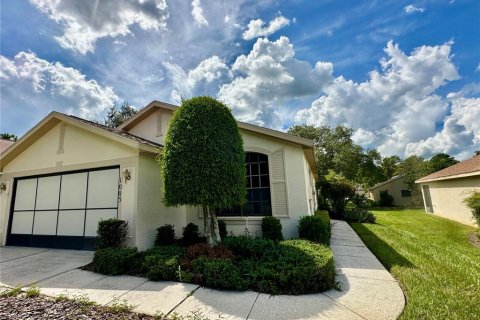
(431, 257)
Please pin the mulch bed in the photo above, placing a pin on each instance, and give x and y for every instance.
(474, 239)
(20, 307)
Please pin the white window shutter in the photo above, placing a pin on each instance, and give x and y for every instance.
(279, 184)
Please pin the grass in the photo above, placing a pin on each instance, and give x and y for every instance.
(431, 257)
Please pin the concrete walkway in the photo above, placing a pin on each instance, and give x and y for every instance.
(368, 290)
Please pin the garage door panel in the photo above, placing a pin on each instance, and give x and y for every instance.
(74, 191)
(70, 223)
(25, 194)
(47, 193)
(95, 216)
(22, 222)
(45, 223)
(103, 189)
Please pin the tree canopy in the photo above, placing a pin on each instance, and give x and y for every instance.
(8, 136)
(116, 116)
(203, 161)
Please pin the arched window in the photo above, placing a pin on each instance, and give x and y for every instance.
(258, 202)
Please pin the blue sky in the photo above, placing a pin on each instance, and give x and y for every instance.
(404, 74)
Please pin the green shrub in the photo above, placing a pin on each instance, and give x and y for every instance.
(111, 233)
(222, 227)
(247, 247)
(473, 202)
(165, 235)
(190, 234)
(114, 261)
(296, 267)
(272, 229)
(360, 200)
(218, 273)
(359, 215)
(386, 200)
(161, 263)
(315, 228)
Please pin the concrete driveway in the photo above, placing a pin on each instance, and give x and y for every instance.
(368, 291)
(21, 266)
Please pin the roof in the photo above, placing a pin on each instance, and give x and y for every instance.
(54, 118)
(467, 168)
(387, 182)
(4, 144)
(154, 105)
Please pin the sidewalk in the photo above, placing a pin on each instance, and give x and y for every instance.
(368, 291)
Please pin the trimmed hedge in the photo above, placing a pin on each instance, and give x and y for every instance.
(165, 235)
(115, 261)
(111, 233)
(272, 229)
(316, 228)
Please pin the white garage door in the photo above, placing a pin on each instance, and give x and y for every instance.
(63, 210)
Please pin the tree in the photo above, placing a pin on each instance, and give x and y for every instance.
(8, 136)
(116, 117)
(441, 161)
(389, 166)
(338, 190)
(369, 171)
(203, 162)
(413, 167)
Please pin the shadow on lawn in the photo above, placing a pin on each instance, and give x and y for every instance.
(383, 251)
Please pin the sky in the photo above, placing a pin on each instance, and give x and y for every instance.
(405, 75)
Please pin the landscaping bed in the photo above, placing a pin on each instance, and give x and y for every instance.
(432, 258)
(275, 266)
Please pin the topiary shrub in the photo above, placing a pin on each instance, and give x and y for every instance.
(222, 227)
(315, 228)
(191, 234)
(115, 261)
(111, 233)
(473, 202)
(218, 273)
(386, 200)
(272, 229)
(165, 235)
(361, 215)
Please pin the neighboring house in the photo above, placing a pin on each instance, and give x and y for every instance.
(444, 191)
(67, 173)
(397, 188)
(4, 144)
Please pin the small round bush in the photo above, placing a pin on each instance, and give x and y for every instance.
(361, 215)
(161, 263)
(222, 227)
(111, 233)
(473, 203)
(386, 199)
(272, 229)
(191, 234)
(315, 228)
(165, 235)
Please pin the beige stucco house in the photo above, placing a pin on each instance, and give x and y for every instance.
(397, 188)
(66, 174)
(444, 191)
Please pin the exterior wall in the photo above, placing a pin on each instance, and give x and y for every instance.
(296, 171)
(447, 198)
(395, 188)
(151, 212)
(154, 127)
(67, 148)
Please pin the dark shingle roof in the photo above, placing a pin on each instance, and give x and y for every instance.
(118, 132)
(468, 166)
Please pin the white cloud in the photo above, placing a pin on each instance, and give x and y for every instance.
(257, 28)
(197, 14)
(477, 69)
(84, 22)
(30, 84)
(412, 9)
(394, 107)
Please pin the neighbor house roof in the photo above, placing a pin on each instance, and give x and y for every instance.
(378, 185)
(4, 144)
(467, 168)
(54, 118)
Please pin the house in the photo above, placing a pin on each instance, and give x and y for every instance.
(444, 191)
(397, 188)
(66, 174)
